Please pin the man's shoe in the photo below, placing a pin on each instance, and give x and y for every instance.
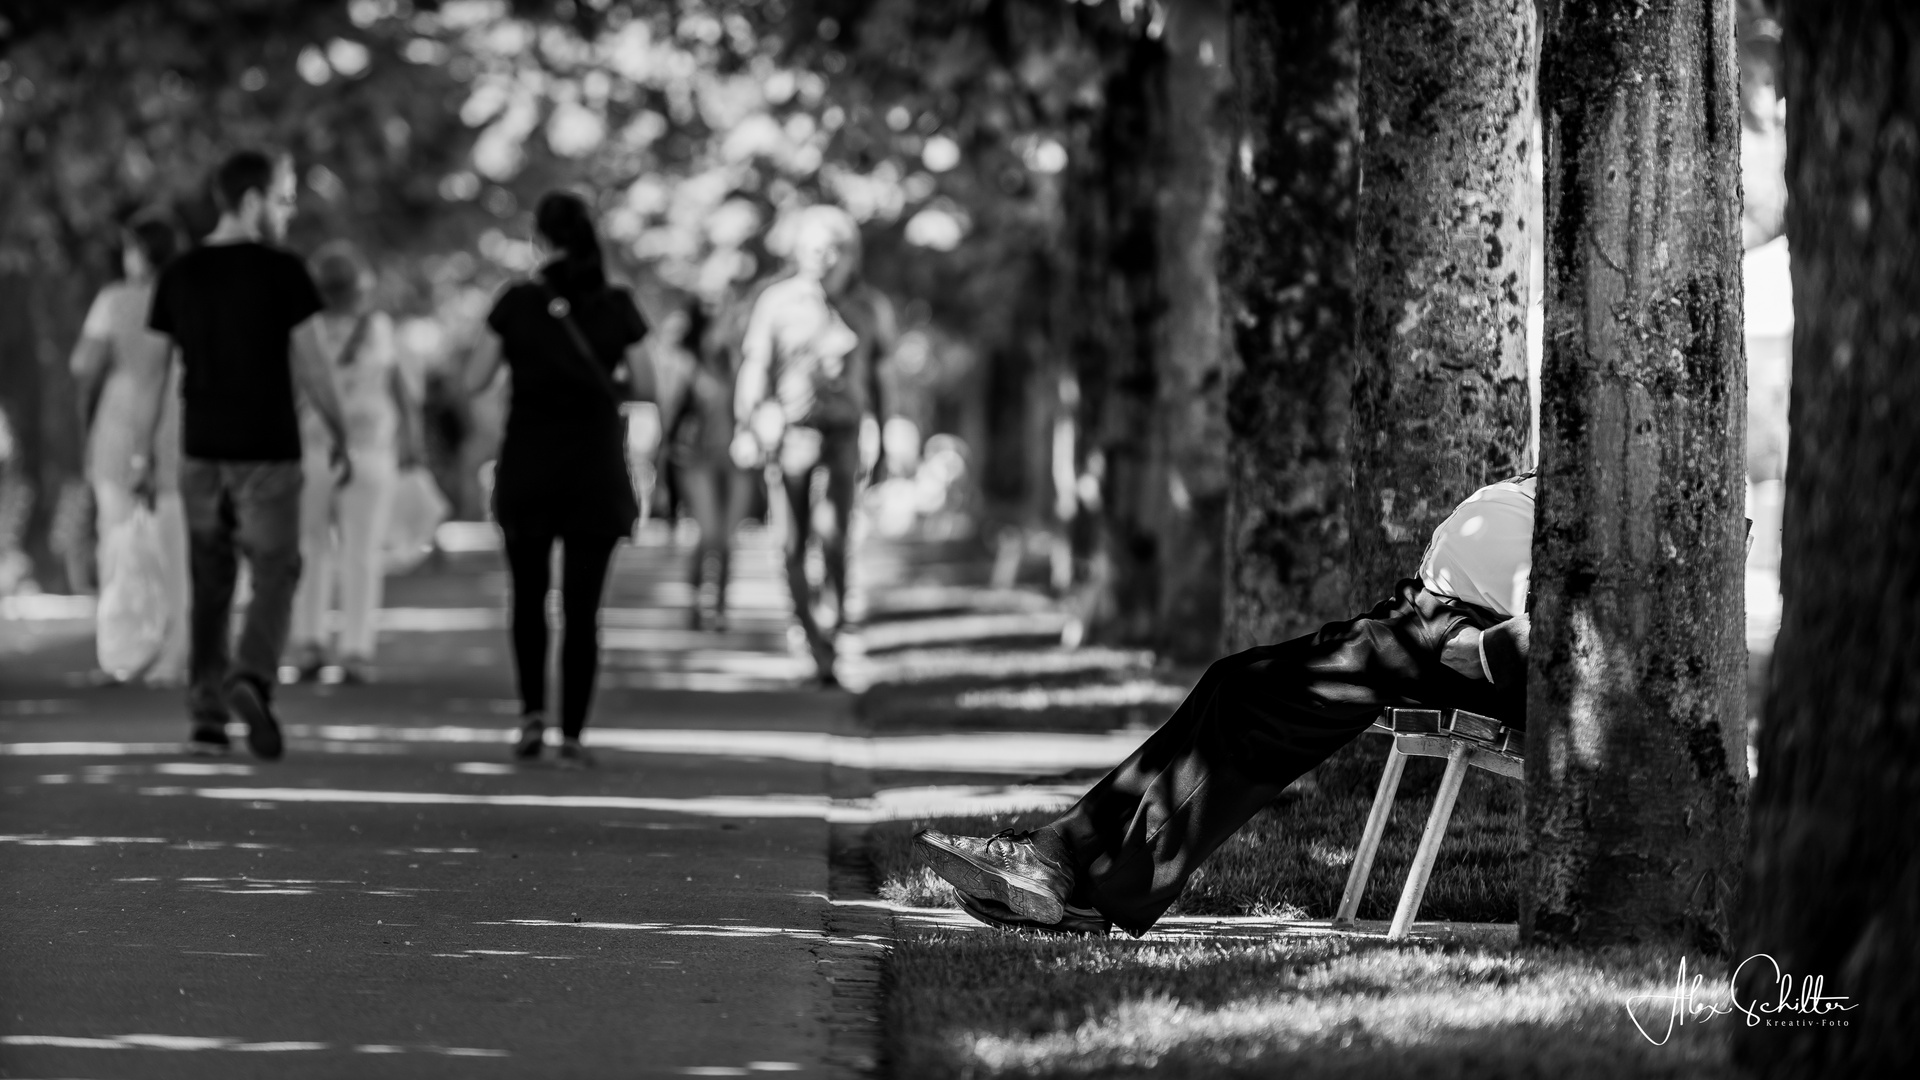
(1076, 920)
(1005, 868)
(210, 739)
(263, 731)
(533, 735)
(575, 756)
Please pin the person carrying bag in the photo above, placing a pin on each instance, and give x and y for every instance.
(562, 472)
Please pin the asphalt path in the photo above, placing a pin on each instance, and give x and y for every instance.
(396, 897)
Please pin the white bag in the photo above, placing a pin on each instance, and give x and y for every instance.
(418, 510)
(131, 621)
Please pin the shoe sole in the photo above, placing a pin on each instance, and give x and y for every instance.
(1082, 925)
(263, 731)
(970, 877)
(200, 748)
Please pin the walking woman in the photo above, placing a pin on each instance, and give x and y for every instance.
(343, 526)
(698, 440)
(133, 444)
(566, 336)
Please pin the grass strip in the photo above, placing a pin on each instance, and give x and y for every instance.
(992, 1005)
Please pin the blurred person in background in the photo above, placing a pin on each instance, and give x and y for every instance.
(133, 438)
(699, 449)
(809, 377)
(343, 526)
(241, 311)
(562, 474)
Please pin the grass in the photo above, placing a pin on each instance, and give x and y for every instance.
(1292, 859)
(996, 1005)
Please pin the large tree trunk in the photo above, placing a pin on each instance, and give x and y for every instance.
(1636, 748)
(1833, 885)
(1287, 272)
(1112, 326)
(1190, 410)
(1440, 404)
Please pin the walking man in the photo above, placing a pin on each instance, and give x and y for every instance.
(240, 312)
(809, 376)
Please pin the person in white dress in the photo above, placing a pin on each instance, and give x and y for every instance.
(342, 527)
(133, 441)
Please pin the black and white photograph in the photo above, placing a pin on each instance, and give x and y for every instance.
(959, 539)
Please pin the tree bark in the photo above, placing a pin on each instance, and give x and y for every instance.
(1440, 400)
(1190, 407)
(1287, 273)
(1112, 322)
(1833, 881)
(1636, 748)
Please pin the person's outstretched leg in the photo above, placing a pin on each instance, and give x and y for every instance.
(212, 564)
(366, 508)
(583, 579)
(800, 453)
(307, 640)
(1256, 722)
(266, 509)
(841, 455)
(697, 489)
(529, 554)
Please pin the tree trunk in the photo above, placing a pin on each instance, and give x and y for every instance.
(1190, 408)
(1287, 274)
(1440, 403)
(1113, 318)
(1833, 884)
(1636, 752)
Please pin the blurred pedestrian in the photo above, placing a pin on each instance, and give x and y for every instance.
(241, 312)
(699, 440)
(566, 335)
(343, 526)
(809, 378)
(133, 436)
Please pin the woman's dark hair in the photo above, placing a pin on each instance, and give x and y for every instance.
(156, 238)
(566, 222)
(698, 322)
(338, 272)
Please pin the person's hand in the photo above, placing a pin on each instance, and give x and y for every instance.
(745, 450)
(342, 464)
(145, 485)
(1462, 653)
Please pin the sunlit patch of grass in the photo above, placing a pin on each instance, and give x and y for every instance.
(1003, 1005)
(1292, 858)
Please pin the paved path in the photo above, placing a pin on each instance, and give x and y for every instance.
(394, 898)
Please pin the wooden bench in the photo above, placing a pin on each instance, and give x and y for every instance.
(1465, 739)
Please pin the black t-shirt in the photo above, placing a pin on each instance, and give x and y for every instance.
(232, 308)
(563, 460)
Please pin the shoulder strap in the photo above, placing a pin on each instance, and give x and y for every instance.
(562, 312)
(351, 349)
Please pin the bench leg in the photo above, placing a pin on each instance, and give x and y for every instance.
(1429, 852)
(1370, 838)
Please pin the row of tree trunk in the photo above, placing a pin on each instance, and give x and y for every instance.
(1350, 335)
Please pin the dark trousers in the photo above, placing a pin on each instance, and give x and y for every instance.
(583, 576)
(839, 456)
(1257, 721)
(237, 509)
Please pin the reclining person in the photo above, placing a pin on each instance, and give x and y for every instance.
(1454, 637)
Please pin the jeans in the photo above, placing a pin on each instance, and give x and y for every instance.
(239, 509)
(1257, 721)
(583, 576)
(341, 533)
(802, 451)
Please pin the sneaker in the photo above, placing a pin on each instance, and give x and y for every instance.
(533, 735)
(575, 756)
(263, 731)
(210, 739)
(355, 672)
(1074, 920)
(1006, 868)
